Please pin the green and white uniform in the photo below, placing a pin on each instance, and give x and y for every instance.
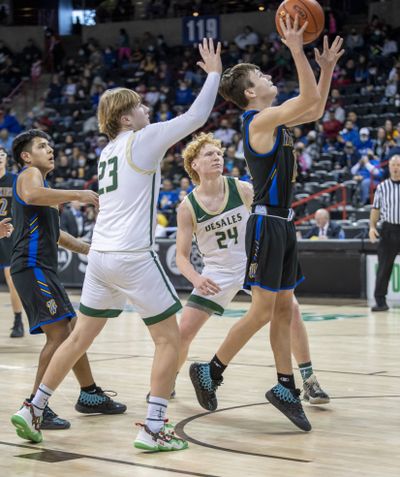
(122, 263)
(220, 237)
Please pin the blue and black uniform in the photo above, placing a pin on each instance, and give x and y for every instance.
(6, 187)
(271, 245)
(34, 261)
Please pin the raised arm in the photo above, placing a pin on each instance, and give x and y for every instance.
(184, 239)
(327, 61)
(71, 243)
(170, 132)
(31, 189)
(268, 119)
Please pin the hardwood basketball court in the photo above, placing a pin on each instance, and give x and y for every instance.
(356, 358)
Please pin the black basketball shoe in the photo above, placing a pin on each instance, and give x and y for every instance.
(288, 402)
(204, 385)
(98, 402)
(51, 421)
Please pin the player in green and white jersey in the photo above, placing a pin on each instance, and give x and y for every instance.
(216, 213)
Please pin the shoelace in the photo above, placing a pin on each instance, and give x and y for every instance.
(108, 393)
(167, 436)
(35, 419)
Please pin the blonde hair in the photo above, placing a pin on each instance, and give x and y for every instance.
(113, 104)
(192, 150)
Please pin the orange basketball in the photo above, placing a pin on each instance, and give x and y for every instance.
(307, 10)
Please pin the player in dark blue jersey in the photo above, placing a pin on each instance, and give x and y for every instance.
(6, 185)
(273, 270)
(34, 263)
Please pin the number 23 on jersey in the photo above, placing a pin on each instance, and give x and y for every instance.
(108, 175)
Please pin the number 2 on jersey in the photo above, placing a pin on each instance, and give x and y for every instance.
(3, 207)
(112, 174)
(224, 236)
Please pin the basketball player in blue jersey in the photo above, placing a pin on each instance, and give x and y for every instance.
(216, 213)
(273, 270)
(6, 185)
(34, 261)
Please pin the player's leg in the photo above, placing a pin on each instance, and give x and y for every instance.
(206, 377)
(16, 305)
(284, 395)
(301, 351)
(160, 317)
(27, 419)
(192, 320)
(92, 399)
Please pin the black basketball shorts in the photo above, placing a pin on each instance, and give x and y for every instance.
(43, 297)
(272, 258)
(5, 252)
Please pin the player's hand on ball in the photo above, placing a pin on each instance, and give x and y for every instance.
(6, 228)
(206, 286)
(292, 34)
(211, 57)
(330, 55)
(89, 197)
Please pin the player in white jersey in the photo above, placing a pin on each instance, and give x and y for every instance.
(216, 213)
(122, 263)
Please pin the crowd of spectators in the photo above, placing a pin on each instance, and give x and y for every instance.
(359, 131)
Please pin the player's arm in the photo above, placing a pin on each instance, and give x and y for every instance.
(184, 239)
(31, 189)
(69, 242)
(268, 119)
(161, 136)
(327, 61)
(247, 192)
(6, 229)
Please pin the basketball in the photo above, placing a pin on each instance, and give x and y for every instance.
(307, 10)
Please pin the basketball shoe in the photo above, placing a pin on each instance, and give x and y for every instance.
(98, 402)
(27, 424)
(313, 393)
(165, 440)
(51, 420)
(287, 401)
(204, 385)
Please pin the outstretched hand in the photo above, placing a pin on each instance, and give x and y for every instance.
(330, 55)
(292, 34)
(211, 57)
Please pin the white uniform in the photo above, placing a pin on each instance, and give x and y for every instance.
(220, 237)
(122, 263)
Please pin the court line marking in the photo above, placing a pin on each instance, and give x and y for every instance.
(118, 356)
(180, 428)
(113, 461)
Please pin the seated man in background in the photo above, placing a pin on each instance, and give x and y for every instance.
(324, 228)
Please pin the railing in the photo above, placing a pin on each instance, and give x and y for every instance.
(334, 188)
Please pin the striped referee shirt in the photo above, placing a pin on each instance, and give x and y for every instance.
(387, 199)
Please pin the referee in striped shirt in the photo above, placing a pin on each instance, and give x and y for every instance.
(387, 208)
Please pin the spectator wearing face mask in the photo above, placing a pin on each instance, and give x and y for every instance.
(364, 143)
(367, 170)
(224, 133)
(349, 156)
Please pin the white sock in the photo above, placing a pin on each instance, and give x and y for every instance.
(156, 413)
(42, 395)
